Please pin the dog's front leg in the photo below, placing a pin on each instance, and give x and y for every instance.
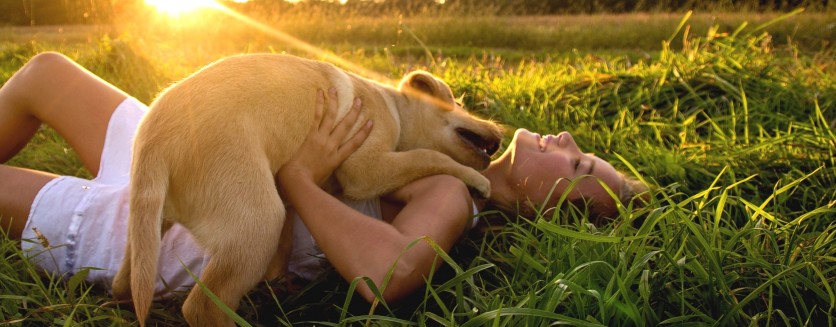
(241, 232)
(368, 175)
(278, 265)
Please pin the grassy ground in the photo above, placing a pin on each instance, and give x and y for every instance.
(735, 129)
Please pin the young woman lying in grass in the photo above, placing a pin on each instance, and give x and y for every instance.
(84, 221)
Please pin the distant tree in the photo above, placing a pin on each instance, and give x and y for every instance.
(51, 12)
(45, 12)
(13, 13)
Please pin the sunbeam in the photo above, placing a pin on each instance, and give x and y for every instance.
(304, 46)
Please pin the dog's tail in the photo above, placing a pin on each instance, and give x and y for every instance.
(149, 185)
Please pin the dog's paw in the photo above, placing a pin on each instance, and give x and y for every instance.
(480, 185)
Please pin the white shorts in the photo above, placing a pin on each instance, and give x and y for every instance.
(85, 221)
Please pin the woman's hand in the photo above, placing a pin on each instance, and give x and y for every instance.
(323, 149)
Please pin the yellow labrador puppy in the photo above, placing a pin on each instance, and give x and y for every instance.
(206, 153)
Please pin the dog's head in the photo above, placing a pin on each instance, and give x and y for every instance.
(435, 120)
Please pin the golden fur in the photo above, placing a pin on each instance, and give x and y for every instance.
(206, 153)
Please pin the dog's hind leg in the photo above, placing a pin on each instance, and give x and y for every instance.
(244, 238)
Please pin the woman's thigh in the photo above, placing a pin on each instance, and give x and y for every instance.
(17, 192)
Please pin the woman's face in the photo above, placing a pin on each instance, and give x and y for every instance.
(532, 165)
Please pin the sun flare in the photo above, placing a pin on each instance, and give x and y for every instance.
(179, 7)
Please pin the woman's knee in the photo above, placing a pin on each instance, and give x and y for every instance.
(46, 64)
(48, 58)
(32, 79)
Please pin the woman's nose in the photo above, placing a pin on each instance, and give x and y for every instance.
(567, 141)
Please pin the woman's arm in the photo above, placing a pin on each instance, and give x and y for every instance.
(437, 207)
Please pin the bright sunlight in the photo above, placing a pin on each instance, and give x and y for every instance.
(179, 7)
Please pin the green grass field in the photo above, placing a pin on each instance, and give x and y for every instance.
(730, 117)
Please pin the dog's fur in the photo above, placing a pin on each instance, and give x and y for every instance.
(206, 153)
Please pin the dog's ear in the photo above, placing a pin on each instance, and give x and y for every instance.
(420, 83)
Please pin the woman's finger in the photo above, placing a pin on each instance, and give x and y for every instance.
(347, 148)
(327, 123)
(344, 126)
(318, 110)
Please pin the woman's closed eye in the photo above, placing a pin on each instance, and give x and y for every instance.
(589, 166)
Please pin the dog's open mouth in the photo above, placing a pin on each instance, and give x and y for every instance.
(485, 145)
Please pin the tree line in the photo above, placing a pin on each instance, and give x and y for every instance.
(52, 12)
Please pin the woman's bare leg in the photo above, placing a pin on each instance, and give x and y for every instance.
(18, 189)
(54, 90)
